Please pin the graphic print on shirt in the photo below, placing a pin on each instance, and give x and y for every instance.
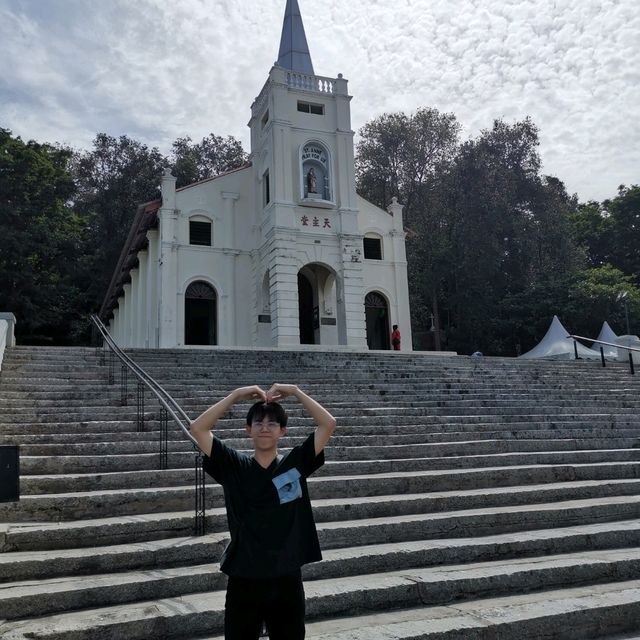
(288, 486)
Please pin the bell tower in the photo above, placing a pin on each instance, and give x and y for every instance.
(303, 163)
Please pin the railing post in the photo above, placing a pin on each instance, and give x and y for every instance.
(123, 385)
(112, 367)
(604, 364)
(164, 438)
(140, 406)
(631, 367)
(575, 348)
(200, 515)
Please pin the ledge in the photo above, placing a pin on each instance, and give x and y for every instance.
(317, 203)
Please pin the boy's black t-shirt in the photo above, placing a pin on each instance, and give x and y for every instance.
(270, 519)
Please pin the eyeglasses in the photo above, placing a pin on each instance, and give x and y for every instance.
(267, 425)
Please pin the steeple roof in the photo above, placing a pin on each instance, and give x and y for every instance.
(294, 51)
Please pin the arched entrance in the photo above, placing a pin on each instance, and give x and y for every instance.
(377, 318)
(200, 314)
(305, 310)
(317, 300)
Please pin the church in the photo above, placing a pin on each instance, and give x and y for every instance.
(280, 252)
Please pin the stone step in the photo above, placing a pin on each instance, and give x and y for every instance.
(352, 427)
(574, 613)
(365, 450)
(39, 465)
(186, 613)
(397, 414)
(97, 405)
(332, 534)
(618, 438)
(364, 484)
(346, 561)
(331, 502)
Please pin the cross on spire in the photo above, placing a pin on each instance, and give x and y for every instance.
(294, 51)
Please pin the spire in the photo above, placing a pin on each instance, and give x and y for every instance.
(294, 51)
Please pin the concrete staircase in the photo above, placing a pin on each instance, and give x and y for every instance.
(461, 498)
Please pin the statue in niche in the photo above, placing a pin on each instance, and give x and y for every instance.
(311, 181)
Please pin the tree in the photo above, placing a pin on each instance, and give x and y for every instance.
(112, 179)
(491, 238)
(41, 239)
(406, 156)
(624, 214)
(595, 296)
(211, 156)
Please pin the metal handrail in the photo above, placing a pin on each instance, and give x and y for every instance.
(632, 368)
(168, 406)
(609, 344)
(165, 399)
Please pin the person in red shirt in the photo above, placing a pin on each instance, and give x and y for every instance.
(395, 338)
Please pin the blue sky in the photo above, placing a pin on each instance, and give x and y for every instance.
(157, 70)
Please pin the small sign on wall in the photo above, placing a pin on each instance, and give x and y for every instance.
(315, 222)
(331, 321)
(264, 318)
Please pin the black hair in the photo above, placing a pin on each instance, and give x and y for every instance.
(395, 326)
(270, 410)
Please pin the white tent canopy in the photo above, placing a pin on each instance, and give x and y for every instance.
(556, 345)
(607, 335)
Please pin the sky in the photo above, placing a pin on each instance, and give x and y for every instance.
(156, 70)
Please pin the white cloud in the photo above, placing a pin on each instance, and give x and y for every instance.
(156, 70)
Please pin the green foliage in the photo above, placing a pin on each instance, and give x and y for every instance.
(491, 251)
(113, 178)
(409, 157)
(602, 291)
(41, 239)
(211, 156)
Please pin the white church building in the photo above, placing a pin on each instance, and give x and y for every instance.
(278, 253)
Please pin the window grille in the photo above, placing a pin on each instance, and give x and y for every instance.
(200, 233)
(307, 107)
(372, 249)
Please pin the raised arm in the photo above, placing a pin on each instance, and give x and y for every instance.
(325, 421)
(201, 427)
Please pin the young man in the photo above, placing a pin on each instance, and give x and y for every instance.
(270, 519)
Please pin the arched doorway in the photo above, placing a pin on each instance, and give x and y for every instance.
(200, 314)
(377, 318)
(306, 310)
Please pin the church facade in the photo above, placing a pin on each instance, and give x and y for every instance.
(278, 253)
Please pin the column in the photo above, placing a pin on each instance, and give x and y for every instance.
(236, 305)
(403, 313)
(152, 289)
(121, 321)
(135, 276)
(351, 302)
(141, 330)
(168, 284)
(114, 324)
(126, 333)
(283, 293)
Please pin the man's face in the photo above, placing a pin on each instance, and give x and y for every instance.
(265, 433)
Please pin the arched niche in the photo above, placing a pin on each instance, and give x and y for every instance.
(315, 172)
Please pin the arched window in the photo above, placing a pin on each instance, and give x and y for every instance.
(200, 231)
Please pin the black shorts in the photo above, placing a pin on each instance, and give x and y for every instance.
(279, 602)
